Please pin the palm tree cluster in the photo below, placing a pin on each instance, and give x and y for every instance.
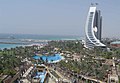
(87, 67)
(11, 58)
(74, 46)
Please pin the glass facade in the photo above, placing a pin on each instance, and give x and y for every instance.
(93, 28)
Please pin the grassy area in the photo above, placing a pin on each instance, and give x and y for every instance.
(0, 53)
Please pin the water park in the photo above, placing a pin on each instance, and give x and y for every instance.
(35, 74)
(49, 58)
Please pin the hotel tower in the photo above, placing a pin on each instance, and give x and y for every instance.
(93, 28)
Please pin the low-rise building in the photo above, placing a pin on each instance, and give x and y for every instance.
(115, 44)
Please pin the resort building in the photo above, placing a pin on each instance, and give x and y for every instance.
(93, 28)
(115, 44)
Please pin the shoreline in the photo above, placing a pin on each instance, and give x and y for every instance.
(11, 43)
(27, 42)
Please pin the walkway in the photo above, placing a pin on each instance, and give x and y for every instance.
(113, 77)
(88, 78)
(57, 75)
(50, 80)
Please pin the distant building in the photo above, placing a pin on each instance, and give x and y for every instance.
(115, 44)
(93, 28)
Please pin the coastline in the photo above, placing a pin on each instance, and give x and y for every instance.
(14, 40)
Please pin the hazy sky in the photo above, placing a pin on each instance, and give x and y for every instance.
(56, 17)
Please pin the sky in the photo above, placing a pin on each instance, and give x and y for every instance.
(56, 17)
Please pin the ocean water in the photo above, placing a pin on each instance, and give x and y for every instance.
(41, 37)
(20, 39)
(2, 46)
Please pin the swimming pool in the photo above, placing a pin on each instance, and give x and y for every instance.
(49, 59)
(41, 75)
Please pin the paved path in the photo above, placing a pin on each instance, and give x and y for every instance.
(92, 79)
(51, 80)
(59, 74)
(114, 74)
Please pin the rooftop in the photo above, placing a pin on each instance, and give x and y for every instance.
(115, 42)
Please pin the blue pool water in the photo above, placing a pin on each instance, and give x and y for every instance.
(49, 59)
(41, 75)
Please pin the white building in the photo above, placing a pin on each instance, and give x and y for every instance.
(93, 28)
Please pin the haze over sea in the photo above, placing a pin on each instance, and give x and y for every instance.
(13, 40)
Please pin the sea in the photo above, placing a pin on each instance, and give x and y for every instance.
(16, 40)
